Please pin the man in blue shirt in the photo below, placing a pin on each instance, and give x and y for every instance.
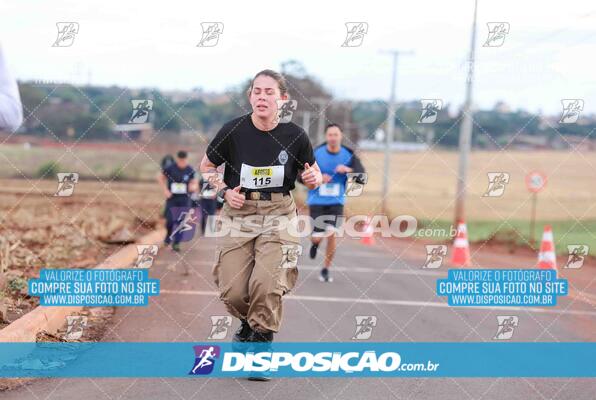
(326, 203)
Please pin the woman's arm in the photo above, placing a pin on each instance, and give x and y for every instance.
(206, 168)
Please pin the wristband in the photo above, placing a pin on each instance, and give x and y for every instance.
(221, 194)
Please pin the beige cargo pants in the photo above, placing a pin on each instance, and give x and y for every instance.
(256, 262)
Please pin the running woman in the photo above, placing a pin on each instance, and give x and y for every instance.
(178, 181)
(326, 203)
(256, 266)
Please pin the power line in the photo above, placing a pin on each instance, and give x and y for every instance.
(390, 125)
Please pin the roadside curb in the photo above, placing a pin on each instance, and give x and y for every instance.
(50, 319)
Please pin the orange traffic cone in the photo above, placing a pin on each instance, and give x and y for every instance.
(547, 258)
(461, 247)
(367, 234)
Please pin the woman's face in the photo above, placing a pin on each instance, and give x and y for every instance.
(263, 97)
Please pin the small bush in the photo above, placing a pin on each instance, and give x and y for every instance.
(17, 284)
(117, 174)
(48, 170)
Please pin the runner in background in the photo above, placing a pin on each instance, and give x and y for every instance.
(178, 181)
(326, 203)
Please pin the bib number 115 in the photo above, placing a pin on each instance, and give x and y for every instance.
(262, 181)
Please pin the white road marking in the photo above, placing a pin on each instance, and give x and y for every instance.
(381, 270)
(393, 302)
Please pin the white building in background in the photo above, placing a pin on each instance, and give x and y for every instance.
(395, 146)
(141, 132)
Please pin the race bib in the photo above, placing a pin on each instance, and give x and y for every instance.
(178, 188)
(261, 177)
(209, 194)
(329, 189)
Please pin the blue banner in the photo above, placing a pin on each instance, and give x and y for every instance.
(502, 287)
(94, 287)
(301, 359)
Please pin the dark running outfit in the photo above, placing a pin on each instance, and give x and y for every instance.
(177, 181)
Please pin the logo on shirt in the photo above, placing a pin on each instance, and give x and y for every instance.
(283, 157)
(204, 359)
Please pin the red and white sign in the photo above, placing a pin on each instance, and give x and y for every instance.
(535, 181)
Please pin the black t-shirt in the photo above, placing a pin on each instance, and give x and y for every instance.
(178, 179)
(285, 150)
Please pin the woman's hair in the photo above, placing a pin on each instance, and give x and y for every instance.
(279, 78)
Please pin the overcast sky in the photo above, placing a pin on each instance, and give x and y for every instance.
(548, 55)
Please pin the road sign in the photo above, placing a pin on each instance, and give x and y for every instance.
(535, 181)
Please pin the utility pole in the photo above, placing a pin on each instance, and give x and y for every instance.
(306, 121)
(322, 104)
(390, 127)
(465, 132)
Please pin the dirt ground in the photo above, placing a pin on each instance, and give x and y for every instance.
(40, 230)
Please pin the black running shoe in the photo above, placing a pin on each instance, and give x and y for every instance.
(313, 250)
(266, 338)
(176, 247)
(257, 336)
(324, 276)
(260, 376)
(243, 333)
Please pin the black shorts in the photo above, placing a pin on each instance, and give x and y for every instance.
(333, 213)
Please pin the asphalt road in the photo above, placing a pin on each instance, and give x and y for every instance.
(369, 280)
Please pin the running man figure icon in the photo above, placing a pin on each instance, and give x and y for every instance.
(187, 220)
(205, 359)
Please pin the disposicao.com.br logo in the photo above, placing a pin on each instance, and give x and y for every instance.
(321, 362)
(244, 359)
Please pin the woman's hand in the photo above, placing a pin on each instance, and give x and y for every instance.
(234, 198)
(311, 176)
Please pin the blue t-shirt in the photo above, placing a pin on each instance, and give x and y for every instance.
(333, 191)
